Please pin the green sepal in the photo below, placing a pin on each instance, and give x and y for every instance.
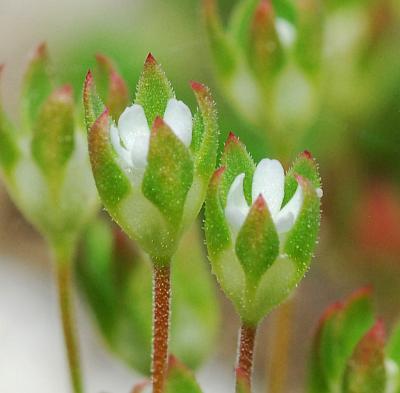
(265, 49)
(393, 346)
(93, 105)
(242, 384)
(365, 372)
(179, 378)
(236, 160)
(205, 124)
(111, 181)
(222, 47)
(305, 166)
(257, 243)
(340, 329)
(37, 85)
(301, 239)
(153, 90)
(309, 42)
(9, 151)
(218, 237)
(240, 21)
(53, 134)
(169, 172)
(112, 86)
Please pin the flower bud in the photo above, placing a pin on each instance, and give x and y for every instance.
(261, 227)
(153, 165)
(45, 165)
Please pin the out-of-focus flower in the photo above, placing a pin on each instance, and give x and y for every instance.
(44, 160)
(260, 252)
(153, 166)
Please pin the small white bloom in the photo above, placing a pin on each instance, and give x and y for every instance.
(269, 181)
(131, 138)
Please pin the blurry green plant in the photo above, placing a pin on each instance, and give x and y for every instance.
(152, 170)
(261, 229)
(349, 352)
(116, 280)
(46, 170)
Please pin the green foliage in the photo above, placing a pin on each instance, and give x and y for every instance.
(116, 280)
(180, 379)
(339, 331)
(365, 372)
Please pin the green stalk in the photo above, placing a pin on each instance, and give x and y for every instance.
(63, 270)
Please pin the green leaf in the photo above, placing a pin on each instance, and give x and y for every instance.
(257, 244)
(112, 86)
(116, 279)
(179, 378)
(111, 181)
(207, 122)
(9, 151)
(37, 85)
(94, 107)
(309, 42)
(302, 238)
(340, 329)
(393, 346)
(365, 372)
(218, 237)
(153, 90)
(236, 160)
(169, 173)
(240, 21)
(53, 134)
(222, 48)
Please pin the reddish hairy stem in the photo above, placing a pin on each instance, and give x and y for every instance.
(161, 312)
(246, 352)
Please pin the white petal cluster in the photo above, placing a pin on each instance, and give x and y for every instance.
(131, 138)
(269, 181)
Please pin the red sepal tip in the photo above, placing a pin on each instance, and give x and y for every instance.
(150, 60)
(307, 155)
(158, 122)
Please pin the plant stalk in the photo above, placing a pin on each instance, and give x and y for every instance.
(161, 314)
(64, 288)
(246, 353)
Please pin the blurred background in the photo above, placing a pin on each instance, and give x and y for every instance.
(345, 109)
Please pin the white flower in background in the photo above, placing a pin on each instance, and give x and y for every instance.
(131, 138)
(269, 181)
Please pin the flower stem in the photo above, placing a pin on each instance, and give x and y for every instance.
(246, 352)
(64, 288)
(161, 313)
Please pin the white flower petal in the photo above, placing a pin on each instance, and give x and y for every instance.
(119, 149)
(286, 31)
(286, 218)
(139, 151)
(236, 209)
(133, 125)
(179, 118)
(269, 180)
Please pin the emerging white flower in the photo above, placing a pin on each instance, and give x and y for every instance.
(269, 181)
(131, 139)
